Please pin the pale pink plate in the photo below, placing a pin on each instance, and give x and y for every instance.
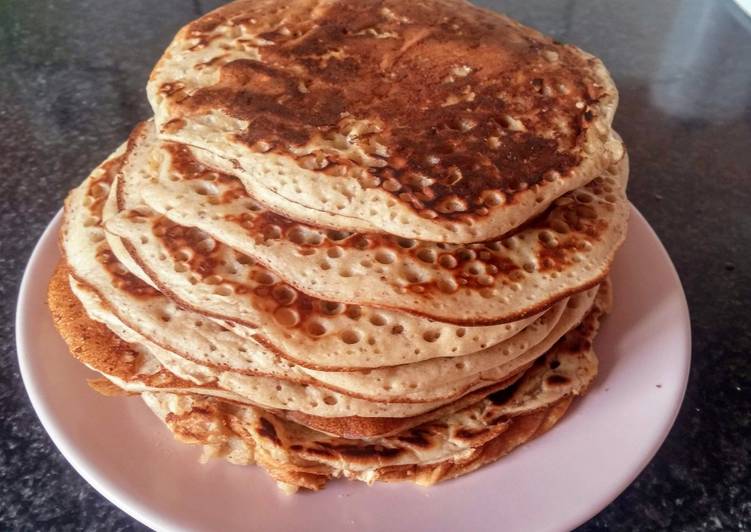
(554, 483)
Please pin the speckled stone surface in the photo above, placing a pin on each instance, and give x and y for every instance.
(72, 74)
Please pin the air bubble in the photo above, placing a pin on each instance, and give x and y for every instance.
(361, 242)
(426, 255)
(331, 308)
(379, 320)
(316, 328)
(413, 276)
(286, 317)
(337, 235)
(206, 246)
(284, 295)
(431, 336)
(334, 252)
(488, 293)
(223, 290)
(448, 285)
(265, 277)
(351, 337)
(385, 257)
(302, 236)
(205, 189)
(448, 261)
(491, 198)
(559, 226)
(485, 280)
(451, 205)
(272, 232)
(548, 239)
(465, 254)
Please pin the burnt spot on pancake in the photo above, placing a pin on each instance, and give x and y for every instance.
(501, 397)
(99, 187)
(122, 278)
(469, 434)
(417, 437)
(321, 449)
(267, 430)
(557, 380)
(361, 451)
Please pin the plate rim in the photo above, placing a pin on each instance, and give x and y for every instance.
(69, 451)
(151, 518)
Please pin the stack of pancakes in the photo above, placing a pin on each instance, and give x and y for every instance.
(366, 239)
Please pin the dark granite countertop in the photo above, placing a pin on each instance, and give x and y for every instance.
(72, 76)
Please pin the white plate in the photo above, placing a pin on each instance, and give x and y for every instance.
(554, 483)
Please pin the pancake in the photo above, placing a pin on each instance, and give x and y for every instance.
(137, 366)
(134, 368)
(427, 453)
(423, 382)
(100, 349)
(225, 434)
(391, 383)
(566, 250)
(427, 381)
(431, 120)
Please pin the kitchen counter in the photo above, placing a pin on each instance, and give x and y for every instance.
(72, 76)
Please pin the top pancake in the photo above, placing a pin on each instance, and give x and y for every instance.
(432, 120)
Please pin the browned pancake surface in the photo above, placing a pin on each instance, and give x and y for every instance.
(441, 80)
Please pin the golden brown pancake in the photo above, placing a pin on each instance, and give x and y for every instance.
(429, 119)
